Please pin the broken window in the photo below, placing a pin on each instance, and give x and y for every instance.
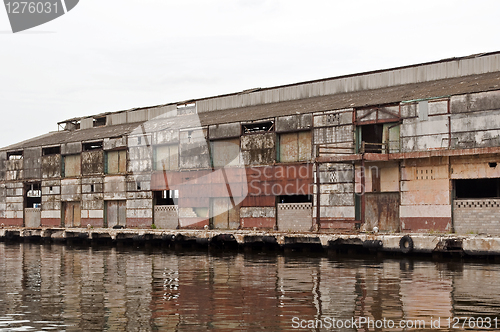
(51, 150)
(225, 152)
(477, 188)
(258, 127)
(33, 196)
(72, 165)
(295, 146)
(166, 157)
(15, 155)
(92, 146)
(377, 138)
(99, 122)
(166, 197)
(115, 162)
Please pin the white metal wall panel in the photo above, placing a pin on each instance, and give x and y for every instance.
(137, 116)
(87, 123)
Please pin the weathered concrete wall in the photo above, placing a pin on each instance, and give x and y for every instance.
(140, 154)
(425, 195)
(114, 143)
(72, 165)
(296, 146)
(474, 167)
(14, 204)
(3, 158)
(226, 152)
(258, 217)
(32, 163)
(476, 216)
(166, 216)
(51, 203)
(139, 201)
(335, 130)
(32, 217)
(51, 166)
(194, 149)
(93, 162)
(92, 207)
(71, 190)
(336, 196)
(71, 148)
(258, 149)
(295, 217)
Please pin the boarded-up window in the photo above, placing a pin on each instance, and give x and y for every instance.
(116, 162)
(72, 165)
(166, 157)
(295, 146)
(226, 152)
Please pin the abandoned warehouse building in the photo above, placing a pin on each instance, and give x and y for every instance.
(409, 149)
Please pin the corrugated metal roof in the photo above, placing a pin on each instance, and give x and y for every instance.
(60, 137)
(447, 87)
(440, 88)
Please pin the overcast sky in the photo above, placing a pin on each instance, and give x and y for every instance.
(111, 55)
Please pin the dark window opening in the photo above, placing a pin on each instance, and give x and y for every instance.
(166, 197)
(15, 155)
(51, 150)
(138, 185)
(477, 188)
(492, 165)
(258, 127)
(371, 135)
(92, 188)
(99, 122)
(139, 141)
(295, 199)
(92, 146)
(33, 195)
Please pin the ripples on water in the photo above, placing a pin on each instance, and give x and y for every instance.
(52, 287)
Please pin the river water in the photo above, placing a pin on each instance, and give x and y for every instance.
(62, 288)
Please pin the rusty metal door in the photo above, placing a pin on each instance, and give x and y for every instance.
(382, 211)
(116, 213)
(72, 214)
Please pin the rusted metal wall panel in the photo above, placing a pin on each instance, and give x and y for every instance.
(3, 158)
(220, 212)
(226, 152)
(289, 147)
(72, 214)
(51, 166)
(14, 169)
(72, 165)
(32, 163)
(92, 162)
(114, 143)
(226, 130)
(116, 213)
(382, 211)
(116, 162)
(293, 122)
(258, 149)
(71, 148)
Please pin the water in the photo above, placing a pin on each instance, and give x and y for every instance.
(58, 288)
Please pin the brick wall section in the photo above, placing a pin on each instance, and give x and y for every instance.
(477, 216)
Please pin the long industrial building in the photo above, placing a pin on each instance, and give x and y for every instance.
(409, 149)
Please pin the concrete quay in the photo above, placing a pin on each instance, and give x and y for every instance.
(401, 243)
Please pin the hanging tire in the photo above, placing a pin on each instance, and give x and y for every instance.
(406, 244)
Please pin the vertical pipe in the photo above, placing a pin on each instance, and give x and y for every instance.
(318, 217)
(363, 188)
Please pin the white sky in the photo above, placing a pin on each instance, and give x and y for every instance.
(110, 55)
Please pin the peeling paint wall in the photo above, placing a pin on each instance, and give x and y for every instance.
(92, 203)
(51, 203)
(258, 149)
(425, 195)
(32, 163)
